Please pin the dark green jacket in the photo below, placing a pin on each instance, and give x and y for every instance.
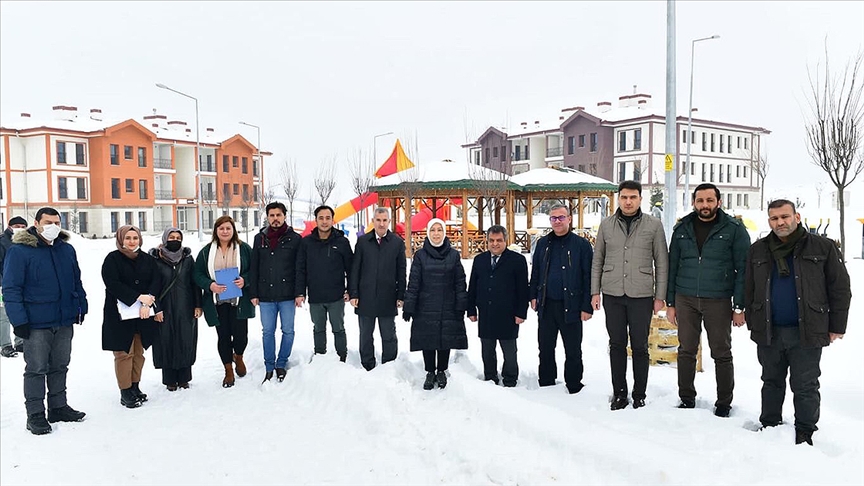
(245, 309)
(718, 273)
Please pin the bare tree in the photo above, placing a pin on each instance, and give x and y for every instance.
(247, 201)
(759, 165)
(362, 178)
(325, 179)
(491, 185)
(226, 198)
(290, 184)
(264, 200)
(74, 219)
(834, 127)
(820, 187)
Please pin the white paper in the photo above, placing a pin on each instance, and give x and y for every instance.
(131, 312)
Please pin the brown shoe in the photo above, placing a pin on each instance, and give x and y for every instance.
(228, 381)
(241, 366)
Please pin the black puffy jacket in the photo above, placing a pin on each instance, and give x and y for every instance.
(323, 266)
(272, 273)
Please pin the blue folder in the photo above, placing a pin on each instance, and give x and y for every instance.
(226, 277)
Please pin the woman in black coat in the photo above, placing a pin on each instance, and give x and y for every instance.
(131, 280)
(179, 309)
(436, 300)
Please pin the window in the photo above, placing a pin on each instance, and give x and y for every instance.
(61, 152)
(581, 141)
(81, 186)
(477, 157)
(142, 220)
(622, 171)
(721, 169)
(703, 172)
(115, 189)
(79, 154)
(234, 161)
(746, 197)
(593, 169)
(594, 142)
(712, 142)
(737, 171)
(130, 185)
(486, 155)
(235, 215)
(622, 142)
(210, 166)
(692, 169)
(518, 155)
(494, 151)
(526, 150)
(224, 163)
(142, 157)
(745, 170)
(704, 142)
(738, 200)
(684, 135)
(745, 148)
(722, 145)
(128, 217)
(729, 173)
(503, 153)
(245, 192)
(255, 168)
(62, 192)
(581, 168)
(637, 139)
(1, 190)
(571, 147)
(255, 195)
(82, 223)
(729, 144)
(115, 221)
(245, 166)
(712, 173)
(739, 146)
(64, 221)
(236, 189)
(226, 191)
(114, 154)
(127, 152)
(142, 189)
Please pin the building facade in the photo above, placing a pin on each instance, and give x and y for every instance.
(101, 174)
(628, 142)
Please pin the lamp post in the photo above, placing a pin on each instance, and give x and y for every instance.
(261, 174)
(374, 146)
(689, 134)
(197, 161)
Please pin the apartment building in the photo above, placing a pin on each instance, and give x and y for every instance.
(102, 174)
(628, 142)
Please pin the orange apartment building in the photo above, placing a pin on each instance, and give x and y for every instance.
(101, 175)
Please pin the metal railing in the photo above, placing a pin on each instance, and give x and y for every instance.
(205, 167)
(163, 195)
(554, 151)
(208, 195)
(162, 225)
(162, 163)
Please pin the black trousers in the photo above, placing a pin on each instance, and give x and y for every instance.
(233, 333)
(717, 316)
(429, 356)
(550, 325)
(389, 341)
(176, 376)
(786, 353)
(510, 369)
(627, 315)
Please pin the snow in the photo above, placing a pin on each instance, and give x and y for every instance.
(334, 423)
(551, 176)
(441, 172)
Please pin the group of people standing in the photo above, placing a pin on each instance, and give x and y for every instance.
(792, 285)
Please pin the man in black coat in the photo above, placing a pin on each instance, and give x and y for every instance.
(376, 287)
(7, 350)
(796, 295)
(323, 265)
(498, 291)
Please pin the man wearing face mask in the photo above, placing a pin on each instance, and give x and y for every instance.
(16, 224)
(44, 297)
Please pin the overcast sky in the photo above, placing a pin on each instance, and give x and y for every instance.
(321, 79)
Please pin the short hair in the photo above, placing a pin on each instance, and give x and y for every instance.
(559, 206)
(383, 210)
(322, 208)
(498, 230)
(235, 240)
(705, 186)
(275, 205)
(779, 203)
(46, 210)
(635, 185)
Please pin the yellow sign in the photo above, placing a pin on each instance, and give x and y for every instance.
(669, 163)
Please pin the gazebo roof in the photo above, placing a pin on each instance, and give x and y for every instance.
(443, 175)
(560, 179)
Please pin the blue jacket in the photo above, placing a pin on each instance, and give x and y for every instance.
(577, 275)
(42, 282)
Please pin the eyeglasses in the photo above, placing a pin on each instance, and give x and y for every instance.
(557, 219)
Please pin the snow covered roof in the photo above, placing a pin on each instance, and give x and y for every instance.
(557, 179)
(83, 124)
(441, 175)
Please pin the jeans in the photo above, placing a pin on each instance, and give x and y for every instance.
(319, 313)
(625, 314)
(285, 309)
(233, 333)
(389, 342)
(786, 353)
(547, 338)
(46, 360)
(717, 315)
(6, 331)
(510, 368)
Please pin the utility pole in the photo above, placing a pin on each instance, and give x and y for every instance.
(671, 194)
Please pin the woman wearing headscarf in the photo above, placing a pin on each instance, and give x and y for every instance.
(179, 309)
(229, 316)
(436, 300)
(131, 280)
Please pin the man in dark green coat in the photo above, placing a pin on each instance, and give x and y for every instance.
(707, 260)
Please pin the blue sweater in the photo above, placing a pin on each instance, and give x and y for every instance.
(784, 298)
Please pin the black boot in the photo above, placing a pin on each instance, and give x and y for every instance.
(8, 351)
(430, 381)
(65, 414)
(37, 424)
(619, 402)
(441, 378)
(267, 376)
(638, 403)
(138, 393)
(280, 374)
(687, 403)
(128, 398)
(801, 436)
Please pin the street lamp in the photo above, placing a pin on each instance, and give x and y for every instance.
(197, 161)
(689, 134)
(261, 162)
(374, 146)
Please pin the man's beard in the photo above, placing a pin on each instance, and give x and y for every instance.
(711, 213)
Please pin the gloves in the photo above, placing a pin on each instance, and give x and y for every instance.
(80, 319)
(22, 331)
(406, 316)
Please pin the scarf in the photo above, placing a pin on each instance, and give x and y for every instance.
(172, 257)
(429, 225)
(121, 233)
(780, 250)
(273, 235)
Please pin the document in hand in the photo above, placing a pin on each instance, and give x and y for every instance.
(226, 277)
(131, 311)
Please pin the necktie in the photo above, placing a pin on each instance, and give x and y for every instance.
(494, 261)
(379, 240)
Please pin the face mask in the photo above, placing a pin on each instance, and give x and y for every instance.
(50, 232)
(17, 230)
(173, 245)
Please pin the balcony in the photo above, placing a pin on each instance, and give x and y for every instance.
(162, 225)
(163, 195)
(205, 167)
(554, 151)
(162, 163)
(208, 195)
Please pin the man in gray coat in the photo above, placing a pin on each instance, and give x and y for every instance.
(630, 268)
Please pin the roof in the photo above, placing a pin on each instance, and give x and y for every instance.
(442, 175)
(561, 179)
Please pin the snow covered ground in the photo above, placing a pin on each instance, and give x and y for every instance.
(334, 423)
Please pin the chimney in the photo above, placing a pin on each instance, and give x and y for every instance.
(641, 100)
(604, 106)
(188, 130)
(560, 118)
(210, 130)
(95, 114)
(65, 113)
(176, 125)
(625, 101)
(694, 110)
(25, 115)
